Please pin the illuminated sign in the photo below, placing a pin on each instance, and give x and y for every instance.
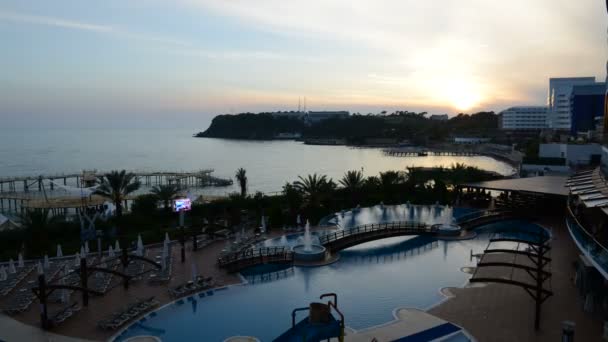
(182, 204)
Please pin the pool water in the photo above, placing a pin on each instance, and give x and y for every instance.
(371, 280)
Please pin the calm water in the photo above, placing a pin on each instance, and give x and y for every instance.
(269, 164)
(371, 280)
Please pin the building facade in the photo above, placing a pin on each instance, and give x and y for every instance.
(559, 100)
(587, 103)
(524, 118)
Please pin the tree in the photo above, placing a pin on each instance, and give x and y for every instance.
(115, 186)
(36, 224)
(241, 178)
(313, 187)
(145, 204)
(165, 193)
(352, 180)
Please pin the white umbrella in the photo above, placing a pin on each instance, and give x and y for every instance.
(47, 264)
(65, 295)
(20, 262)
(140, 243)
(263, 227)
(59, 251)
(3, 275)
(77, 259)
(86, 247)
(117, 247)
(194, 272)
(11, 266)
(111, 252)
(39, 268)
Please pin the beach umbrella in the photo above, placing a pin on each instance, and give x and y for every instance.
(65, 295)
(20, 262)
(59, 251)
(46, 264)
(140, 246)
(86, 247)
(3, 275)
(165, 250)
(163, 262)
(77, 259)
(39, 268)
(11, 266)
(117, 247)
(263, 227)
(111, 252)
(194, 272)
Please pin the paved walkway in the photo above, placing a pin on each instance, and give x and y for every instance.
(499, 312)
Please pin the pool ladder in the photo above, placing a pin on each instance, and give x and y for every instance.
(330, 304)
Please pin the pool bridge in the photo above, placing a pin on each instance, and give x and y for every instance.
(342, 239)
(237, 261)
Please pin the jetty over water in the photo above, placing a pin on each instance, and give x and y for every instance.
(60, 192)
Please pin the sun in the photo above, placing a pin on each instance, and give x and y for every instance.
(463, 95)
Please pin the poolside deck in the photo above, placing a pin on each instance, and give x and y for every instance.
(506, 313)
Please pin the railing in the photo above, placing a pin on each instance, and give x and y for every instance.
(487, 214)
(590, 246)
(248, 254)
(376, 227)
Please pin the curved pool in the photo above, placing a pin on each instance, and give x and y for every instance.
(372, 280)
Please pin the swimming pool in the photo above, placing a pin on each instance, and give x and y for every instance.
(372, 280)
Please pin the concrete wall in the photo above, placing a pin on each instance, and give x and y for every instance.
(575, 154)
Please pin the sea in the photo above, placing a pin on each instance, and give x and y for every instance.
(269, 164)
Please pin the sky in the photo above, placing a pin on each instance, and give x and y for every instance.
(73, 63)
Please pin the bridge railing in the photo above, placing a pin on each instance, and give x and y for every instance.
(478, 216)
(253, 253)
(376, 227)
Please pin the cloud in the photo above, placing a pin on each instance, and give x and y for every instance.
(81, 26)
(49, 21)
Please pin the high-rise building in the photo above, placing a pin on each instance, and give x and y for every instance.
(587, 103)
(559, 116)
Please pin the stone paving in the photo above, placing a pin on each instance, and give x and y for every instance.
(498, 312)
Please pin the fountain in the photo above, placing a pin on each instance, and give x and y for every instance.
(284, 240)
(308, 250)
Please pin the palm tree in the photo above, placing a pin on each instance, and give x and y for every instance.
(165, 193)
(352, 180)
(241, 177)
(115, 186)
(390, 178)
(388, 183)
(312, 187)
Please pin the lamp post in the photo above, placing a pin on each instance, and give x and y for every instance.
(182, 239)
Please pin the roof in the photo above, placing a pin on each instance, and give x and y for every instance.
(590, 187)
(548, 185)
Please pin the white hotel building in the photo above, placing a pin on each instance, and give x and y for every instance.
(524, 118)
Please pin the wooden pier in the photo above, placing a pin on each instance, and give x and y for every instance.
(20, 193)
(395, 152)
